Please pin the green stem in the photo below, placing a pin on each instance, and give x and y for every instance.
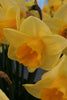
(19, 80)
(31, 77)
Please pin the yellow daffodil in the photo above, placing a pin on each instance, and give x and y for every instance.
(10, 13)
(61, 13)
(56, 1)
(34, 45)
(58, 24)
(55, 24)
(53, 85)
(51, 7)
(3, 95)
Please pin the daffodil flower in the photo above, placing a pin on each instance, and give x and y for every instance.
(51, 7)
(55, 24)
(58, 24)
(53, 85)
(3, 95)
(34, 45)
(10, 13)
(56, 1)
(61, 13)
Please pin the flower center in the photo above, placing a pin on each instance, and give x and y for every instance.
(29, 53)
(52, 94)
(63, 32)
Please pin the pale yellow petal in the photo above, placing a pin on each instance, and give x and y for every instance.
(11, 52)
(48, 78)
(34, 27)
(61, 13)
(53, 72)
(50, 61)
(31, 70)
(54, 24)
(2, 15)
(6, 4)
(63, 67)
(59, 70)
(15, 37)
(14, 12)
(54, 44)
(18, 18)
(3, 95)
(11, 12)
(35, 89)
(21, 4)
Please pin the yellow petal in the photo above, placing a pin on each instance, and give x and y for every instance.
(11, 54)
(6, 4)
(15, 37)
(14, 12)
(54, 44)
(2, 14)
(61, 13)
(53, 72)
(51, 94)
(18, 16)
(31, 70)
(35, 89)
(34, 27)
(11, 12)
(54, 24)
(50, 61)
(8, 23)
(60, 83)
(49, 79)
(59, 70)
(21, 4)
(2, 37)
(3, 96)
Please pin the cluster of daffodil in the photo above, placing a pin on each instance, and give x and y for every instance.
(53, 6)
(53, 84)
(37, 43)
